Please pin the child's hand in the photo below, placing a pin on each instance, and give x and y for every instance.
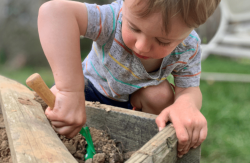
(189, 123)
(68, 116)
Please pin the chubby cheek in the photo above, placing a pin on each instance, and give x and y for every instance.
(160, 51)
(128, 38)
(163, 51)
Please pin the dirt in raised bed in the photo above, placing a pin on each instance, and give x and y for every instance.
(107, 150)
(4, 145)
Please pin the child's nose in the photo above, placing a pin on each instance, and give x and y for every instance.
(143, 45)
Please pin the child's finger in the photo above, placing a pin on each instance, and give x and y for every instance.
(190, 135)
(202, 137)
(52, 115)
(65, 130)
(162, 119)
(68, 131)
(195, 137)
(193, 140)
(182, 135)
(58, 124)
(74, 132)
(48, 112)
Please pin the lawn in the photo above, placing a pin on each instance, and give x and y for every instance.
(21, 75)
(225, 106)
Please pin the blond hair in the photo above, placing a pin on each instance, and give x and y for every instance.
(193, 12)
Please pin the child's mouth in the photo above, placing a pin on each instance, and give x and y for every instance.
(140, 56)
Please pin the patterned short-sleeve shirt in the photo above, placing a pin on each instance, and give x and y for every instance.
(116, 72)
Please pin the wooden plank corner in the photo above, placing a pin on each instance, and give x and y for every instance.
(31, 138)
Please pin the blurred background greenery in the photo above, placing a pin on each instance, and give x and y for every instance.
(225, 104)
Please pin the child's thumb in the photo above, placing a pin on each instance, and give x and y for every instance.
(162, 119)
(48, 112)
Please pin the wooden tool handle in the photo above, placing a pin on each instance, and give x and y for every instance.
(36, 83)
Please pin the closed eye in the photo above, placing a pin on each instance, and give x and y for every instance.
(163, 44)
(133, 29)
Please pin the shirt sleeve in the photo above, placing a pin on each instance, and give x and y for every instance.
(188, 75)
(102, 21)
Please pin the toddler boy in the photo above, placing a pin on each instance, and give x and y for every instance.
(137, 44)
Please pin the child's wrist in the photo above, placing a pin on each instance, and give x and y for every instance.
(184, 103)
(69, 83)
(70, 86)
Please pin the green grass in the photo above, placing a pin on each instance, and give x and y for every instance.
(226, 65)
(21, 75)
(225, 106)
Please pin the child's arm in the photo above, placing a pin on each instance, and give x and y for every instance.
(189, 123)
(60, 24)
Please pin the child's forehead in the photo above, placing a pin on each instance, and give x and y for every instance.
(149, 23)
(152, 24)
(131, 9)
(136, 6)
(138, 9)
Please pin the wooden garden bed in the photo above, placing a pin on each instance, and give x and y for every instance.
(31, 138)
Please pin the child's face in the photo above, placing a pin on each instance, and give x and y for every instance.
(145, 37)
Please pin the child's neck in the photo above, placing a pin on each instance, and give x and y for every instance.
(151, 65)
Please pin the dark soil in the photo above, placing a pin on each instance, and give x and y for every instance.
(107, 150)
(4, 145)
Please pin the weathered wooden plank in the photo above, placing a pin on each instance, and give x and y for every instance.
(137, 130)
(0, 106)
(193, 156)
(2, 125)
(162, 148)
(30, 135)
(132, 128)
